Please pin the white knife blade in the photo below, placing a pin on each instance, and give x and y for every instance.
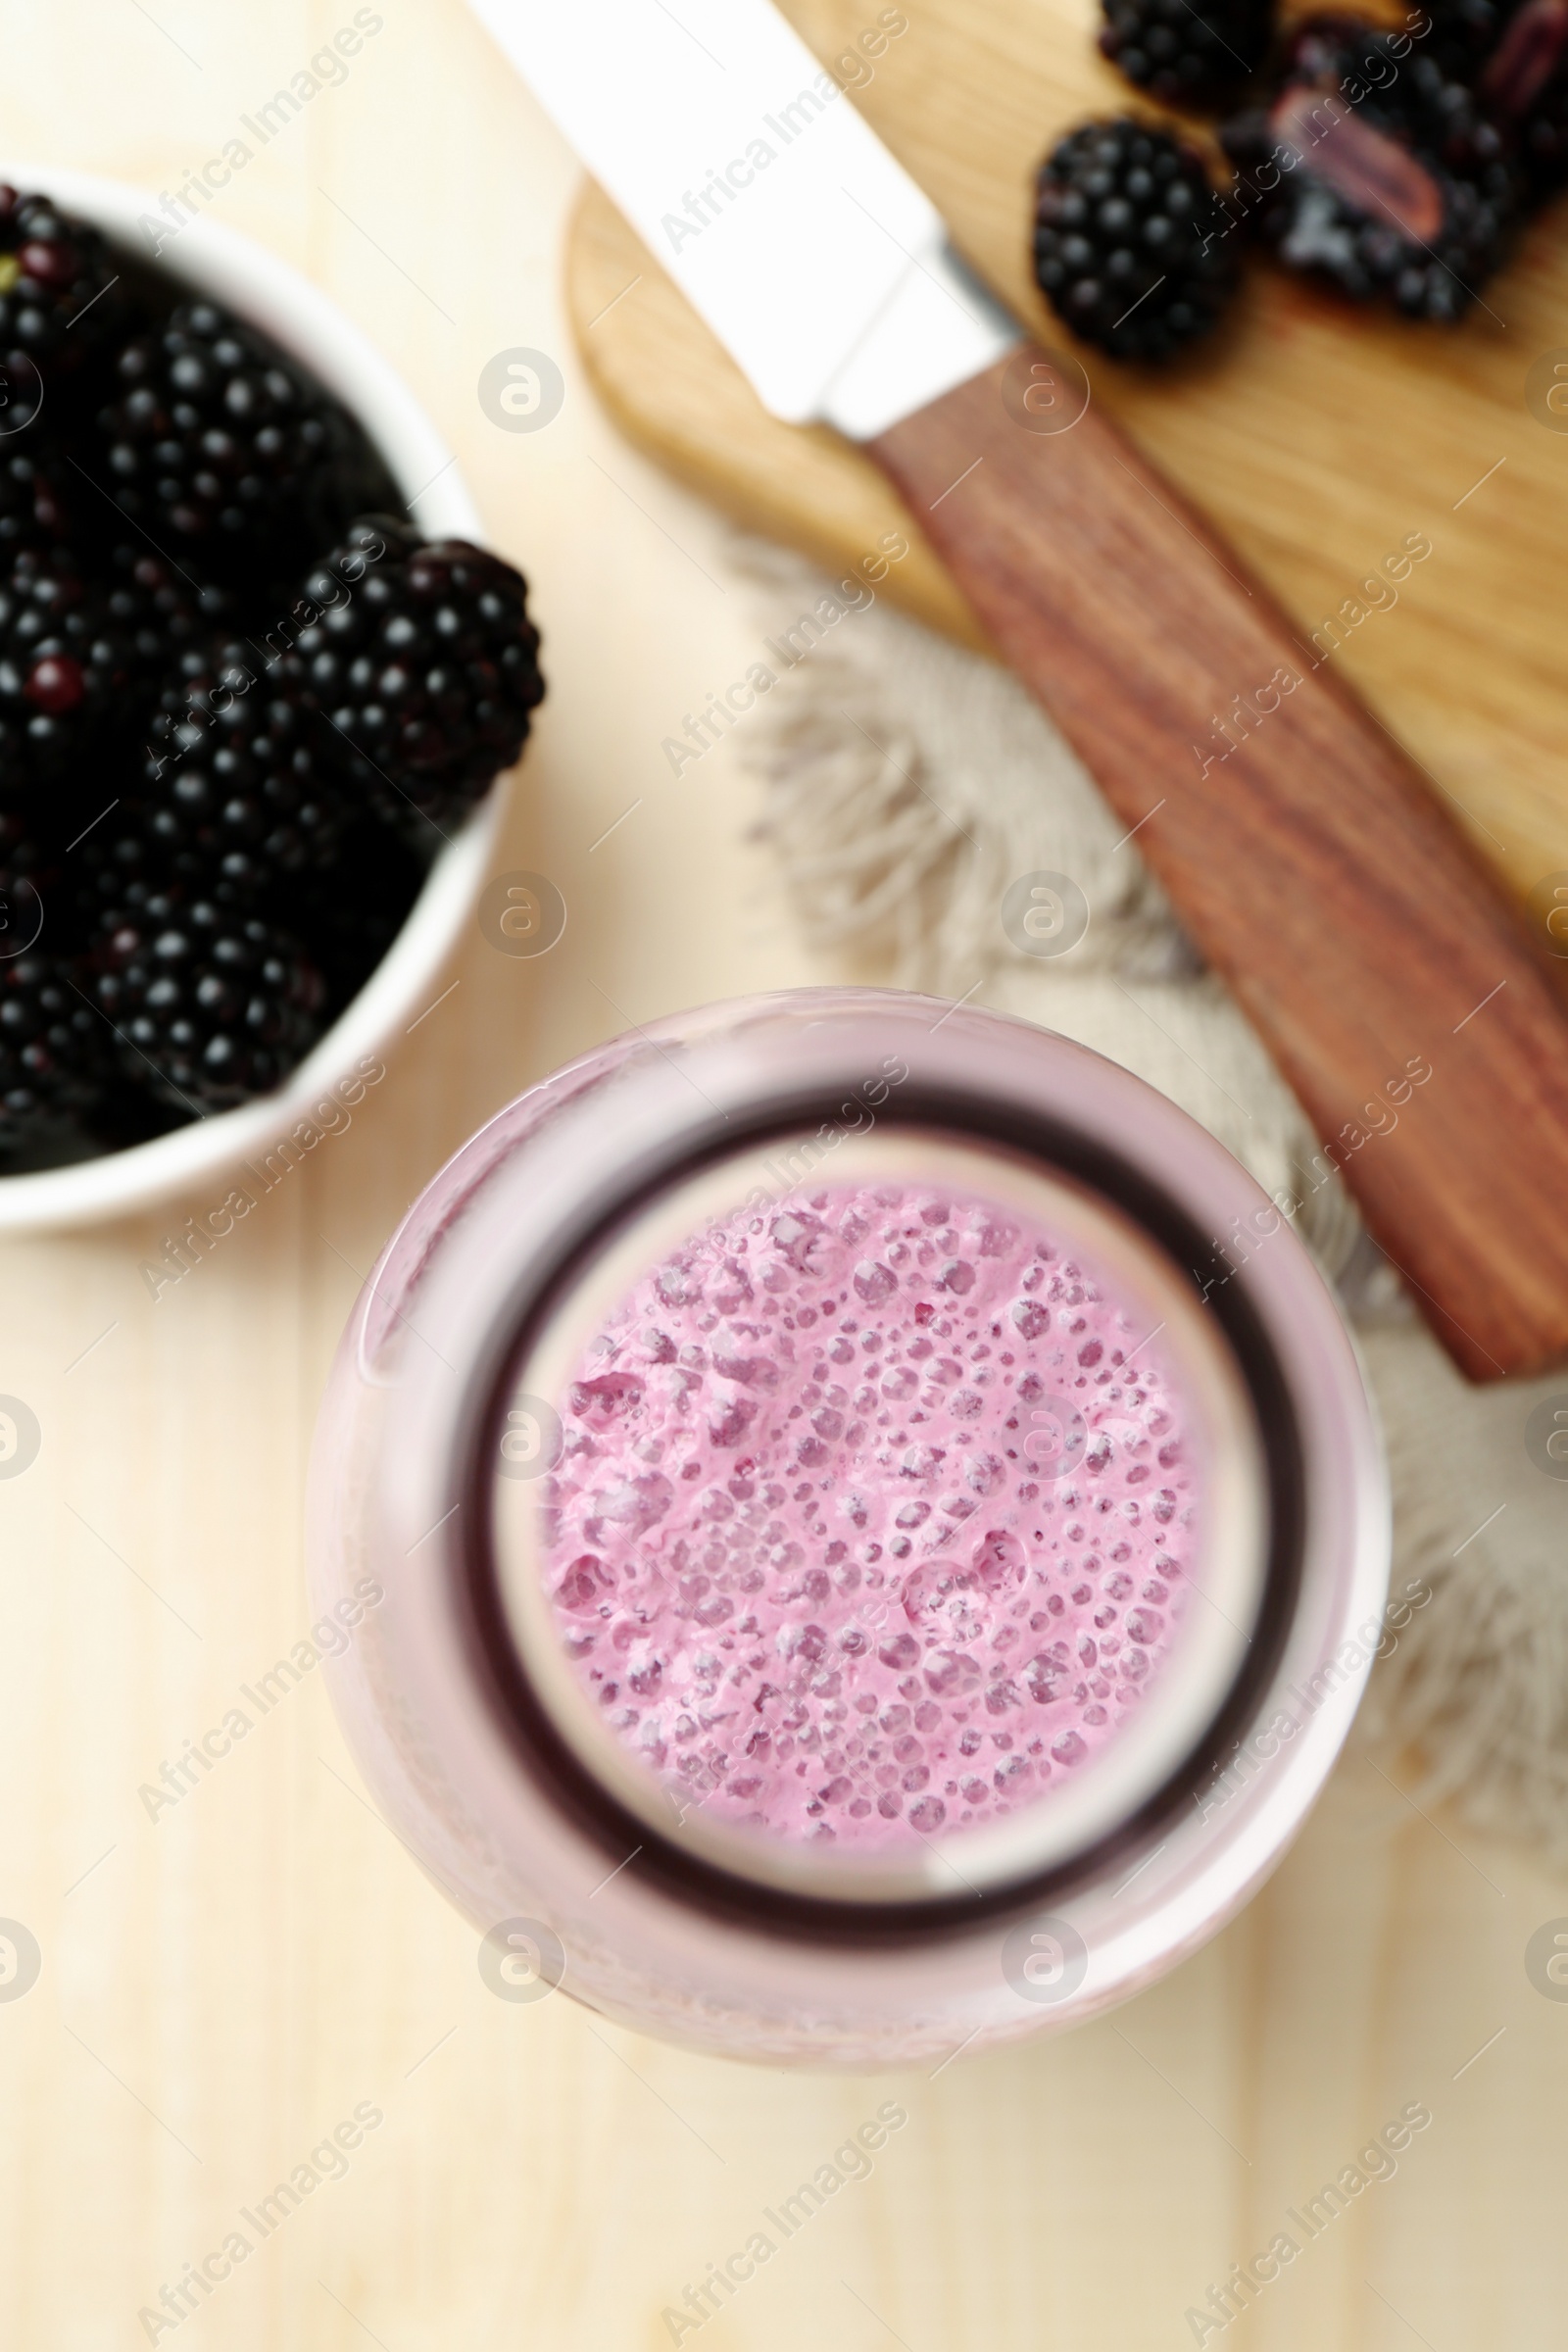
(805, 245)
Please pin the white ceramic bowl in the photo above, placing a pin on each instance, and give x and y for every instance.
(253, 283)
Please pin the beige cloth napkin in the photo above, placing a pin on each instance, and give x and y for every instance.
(907, 783)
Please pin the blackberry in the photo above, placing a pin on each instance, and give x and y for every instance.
(52, 1060)
(82, 656)
(209, 1006)
(65, 665)
(26, 871)
(425, 673)
(1121, 249)
(1188, 55)
(38, 504)
(1461, 33)
(217, 446)
(30, 861)
(167, 621)
(1421, 96)
(1399, 191)
(62, 304)
(1524, 85)
(233, 792)
(350, 910)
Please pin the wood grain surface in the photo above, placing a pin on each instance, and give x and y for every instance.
(1315, 435)
(224, 1984)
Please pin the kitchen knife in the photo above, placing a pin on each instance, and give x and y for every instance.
(1422, 1028)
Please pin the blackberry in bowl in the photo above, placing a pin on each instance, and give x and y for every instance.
(56, 268)
(208, 1004)
(218, 449)
(428, 677)
(213, 908)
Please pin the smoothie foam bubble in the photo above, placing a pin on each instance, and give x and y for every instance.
(875, 1515)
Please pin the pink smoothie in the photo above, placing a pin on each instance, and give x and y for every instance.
(874, 1517)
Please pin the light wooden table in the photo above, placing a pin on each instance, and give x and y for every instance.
(224, 1985)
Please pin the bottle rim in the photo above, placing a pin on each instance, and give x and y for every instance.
(1222, 1585)
(616, 1172)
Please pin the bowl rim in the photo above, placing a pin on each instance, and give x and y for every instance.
(271, 294)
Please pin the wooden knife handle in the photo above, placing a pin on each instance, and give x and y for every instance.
(1307, 856)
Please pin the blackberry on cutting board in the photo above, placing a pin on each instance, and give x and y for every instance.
(1405, 197)
(1125, 248)
(1459, 35)
(209, 1005)
(219, 448)
(1421, 94)
(62, 303)
(424, 675)
(1524, 84)
(1188, 55)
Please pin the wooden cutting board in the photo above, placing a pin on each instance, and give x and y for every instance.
(1318, 437)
